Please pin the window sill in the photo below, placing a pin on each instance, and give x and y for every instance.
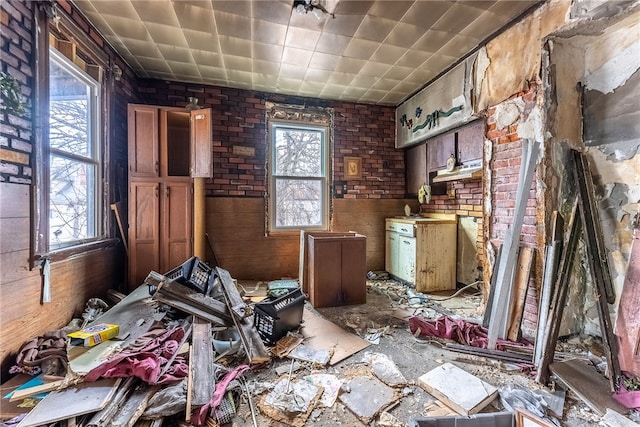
(72, 251)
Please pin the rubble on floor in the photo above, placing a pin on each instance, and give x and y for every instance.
(194, 355)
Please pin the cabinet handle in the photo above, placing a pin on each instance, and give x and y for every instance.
(404, 229)
(157, 191)
(156, 166)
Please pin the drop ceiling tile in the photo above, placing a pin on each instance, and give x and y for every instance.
(345, 25)
(269, 80)
(375, 95)
(158, 65)
(333, 90)
(510, 8)
(309, 86)
(235, 46)
(390, 9)
(198, 40)
(183, 68)
(269, 32)
(439, 62)
(129, 29)
(351, 7)
(218, 73)
(413, 58)
(308, 21)
(407, 87)
(273, 11)
(209, 59)
(385, 84)
(432, 41)
(374, 69)
(341, 78)
(238, 7)
(292, 85)
(457, 18)
(483, 26)
(302, 38)
(332, 43)
(316, 75)
(143, 48)
(161, 13)
(422, 76)
(388, 54)
(323, 61)
(425, 13)
(120, 9)
(267, 52)
(164, 34)
(404, 35)
(292, 71)
(393, 98)
(294, 56)
(480, 4)
(361, 49)
(374, 28)
(458, 47)
(238, 76)
(365, 82)
(101, 24)
(229, 24)
(354, 93)
(265, 67)
(398, 73)
(239, 63)
(175, 54)
(349, 65)
(195, 16)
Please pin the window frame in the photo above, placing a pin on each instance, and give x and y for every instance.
(95, 159)
(324, 178)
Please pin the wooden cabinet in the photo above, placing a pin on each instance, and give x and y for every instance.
(337, 270)
(439, 149)
(470, 142)
(416, 161)
(422, 251)
(167, 148)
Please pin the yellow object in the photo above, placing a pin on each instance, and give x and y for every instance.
(92, 335)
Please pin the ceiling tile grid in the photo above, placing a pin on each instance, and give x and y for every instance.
(376, 52)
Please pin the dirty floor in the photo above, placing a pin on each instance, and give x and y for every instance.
(383, 314)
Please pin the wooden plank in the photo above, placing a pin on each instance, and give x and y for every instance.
(202, 363)
(628, 322)
(321, 334)
(10, 409)
(235, 303)
(592, 387)
(117, 210)
(521, 281)
(32, 391)
(499, 316)
(495, 354)
(550, 272)
(486, 319)
(458, 389)
(597, 258)
(190, 308)
(72, 402)
(103, 417)
(134, 406)
(171, 291)
(559, 298)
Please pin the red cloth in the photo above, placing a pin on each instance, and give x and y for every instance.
(146, 358)
(200, 416)
(457, 330)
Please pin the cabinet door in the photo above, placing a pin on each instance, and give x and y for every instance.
(143, 141)
(439, 150)
(144, 231)
(201, 150)
(354, 270)
(471, 142)
(407, 259)
(176, 212)
(416, 161)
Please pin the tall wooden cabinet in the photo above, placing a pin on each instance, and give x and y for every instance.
(168, 147)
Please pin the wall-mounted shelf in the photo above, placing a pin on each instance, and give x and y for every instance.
(458, 175)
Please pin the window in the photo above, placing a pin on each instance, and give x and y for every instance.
(298, 172)
(74, 179)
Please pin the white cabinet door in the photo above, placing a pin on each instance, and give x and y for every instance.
(391, 253)
(407, 259)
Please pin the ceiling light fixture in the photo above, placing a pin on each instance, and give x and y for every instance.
(305, 6)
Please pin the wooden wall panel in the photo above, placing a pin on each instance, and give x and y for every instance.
(73, 281)
(236, 229)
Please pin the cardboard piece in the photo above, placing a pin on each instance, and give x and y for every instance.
(461, 391)
(10, 409)
(320, 333)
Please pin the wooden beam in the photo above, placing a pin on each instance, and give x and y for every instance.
(521, 280)
(202, 363)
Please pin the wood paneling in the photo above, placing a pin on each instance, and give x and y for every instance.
(236, 230)
(73, 281)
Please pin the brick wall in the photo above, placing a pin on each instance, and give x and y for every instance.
(505, 166)
(17, 52)
(239, 119)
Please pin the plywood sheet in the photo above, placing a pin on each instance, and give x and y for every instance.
(458, 389)
(320, 333)
(589, 384)
(71, 402)
(10, 409)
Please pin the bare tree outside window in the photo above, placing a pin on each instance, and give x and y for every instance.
(73, 160)
(298, 176)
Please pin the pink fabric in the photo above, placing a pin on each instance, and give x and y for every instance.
(457, 330)
(146, 358)
(200, 416)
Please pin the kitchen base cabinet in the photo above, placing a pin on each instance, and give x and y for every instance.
(421, 251)
(337, 270)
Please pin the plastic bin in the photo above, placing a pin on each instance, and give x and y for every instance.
(274, 318)
(493, 419)
(195, 274)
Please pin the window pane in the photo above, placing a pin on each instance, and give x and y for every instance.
(298, 152)
(72, 200)
(298, 203)
(68, 112)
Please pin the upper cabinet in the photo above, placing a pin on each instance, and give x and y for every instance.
(169, 142)
(470, 142)
(416, 161)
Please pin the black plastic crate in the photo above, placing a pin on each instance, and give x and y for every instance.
(274, 318)
(195, 274)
